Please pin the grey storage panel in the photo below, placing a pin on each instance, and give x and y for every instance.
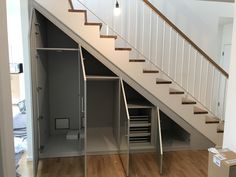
(102, 115)
(174, 137)
(56, 79)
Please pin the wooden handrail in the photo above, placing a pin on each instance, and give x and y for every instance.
(186, 38)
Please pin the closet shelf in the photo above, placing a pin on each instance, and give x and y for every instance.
(97, 77)
(139, 134)
(136, 117)
(57, 49)
(141, 124)
(138, 105)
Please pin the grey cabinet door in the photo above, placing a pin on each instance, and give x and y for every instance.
(124, 131)
(34, 96)
(83, 113)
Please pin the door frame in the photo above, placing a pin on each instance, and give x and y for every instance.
(7, 161)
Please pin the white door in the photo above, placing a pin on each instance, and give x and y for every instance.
(225, 59)
(225, 62)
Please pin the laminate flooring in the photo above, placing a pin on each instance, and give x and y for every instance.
(176, 164)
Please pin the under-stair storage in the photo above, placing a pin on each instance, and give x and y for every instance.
(90, 108)
(102, 107)
(140, 124)
(55, 74)
(102, 103)
(174, 137)
(143, 119)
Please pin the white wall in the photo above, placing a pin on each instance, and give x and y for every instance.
(230, 118)
(27, 72)
(197, 19)
(14, 31)
(6, 133)
(15, 41)
(226, 43)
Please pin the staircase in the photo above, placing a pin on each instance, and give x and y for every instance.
(160, 90)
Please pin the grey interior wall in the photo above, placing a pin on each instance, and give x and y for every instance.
(39, 33)
(100, 103)
(133, 96)
(58, 39)
(95, 67)
(63, 88)
(40, 30)
(43, 96)
(116, 117)
(58, 75)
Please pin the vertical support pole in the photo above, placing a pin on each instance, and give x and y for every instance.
(176, 54)
(157, 33)
(163, 45)
(169, 58)
(182, 62)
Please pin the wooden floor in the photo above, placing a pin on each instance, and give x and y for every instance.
(176, 164)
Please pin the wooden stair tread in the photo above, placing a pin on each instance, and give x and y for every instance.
(162, 81)
(173, 91)
(77, 10)
(123, 48)
(188, 101)
(93, 24)
(220, 131)
(220, 128)
(198, 110)
(136, 60)
(212, 120)
(108, 36)
(150, 71)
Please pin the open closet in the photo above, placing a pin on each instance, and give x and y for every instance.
(102, 107)
(81, 108)
(56, 80)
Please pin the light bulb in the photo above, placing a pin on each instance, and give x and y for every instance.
(117, 10)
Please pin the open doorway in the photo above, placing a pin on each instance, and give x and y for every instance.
(20, 116)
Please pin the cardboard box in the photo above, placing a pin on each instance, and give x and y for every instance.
(221, 163)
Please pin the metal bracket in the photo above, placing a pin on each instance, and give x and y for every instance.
(41, 148)
(40, 117)
(39, 89)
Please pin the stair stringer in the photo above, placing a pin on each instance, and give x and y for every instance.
(118, 61)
